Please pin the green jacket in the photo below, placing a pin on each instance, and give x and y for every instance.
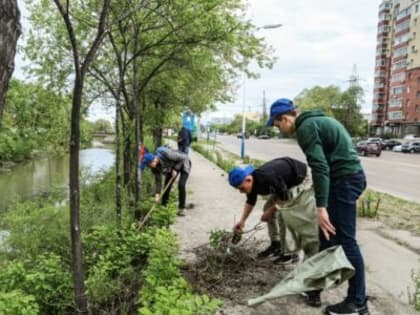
(329, 151)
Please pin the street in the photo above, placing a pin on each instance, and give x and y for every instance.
(394, 173)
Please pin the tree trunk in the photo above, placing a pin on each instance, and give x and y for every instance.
(76, 240)
(10, 31)
(118, 197)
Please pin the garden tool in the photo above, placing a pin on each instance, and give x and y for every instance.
(146, 217)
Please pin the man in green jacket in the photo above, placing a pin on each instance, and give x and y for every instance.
(338, 180)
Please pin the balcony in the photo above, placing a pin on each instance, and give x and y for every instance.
(386, 5)
(403, 14)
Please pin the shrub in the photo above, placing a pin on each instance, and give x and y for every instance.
(164, 290)
(16, 302)
(45, 278)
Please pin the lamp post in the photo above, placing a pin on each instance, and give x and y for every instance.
(268, 26)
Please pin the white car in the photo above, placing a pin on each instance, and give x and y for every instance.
(397, 148)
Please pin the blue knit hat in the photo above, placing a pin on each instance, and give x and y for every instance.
(148, 157)
(238, 174)
(279, 107)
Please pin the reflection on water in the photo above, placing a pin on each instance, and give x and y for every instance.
(38, 176)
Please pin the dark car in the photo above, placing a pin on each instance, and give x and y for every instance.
(239, 135)
(263, 137)
(366, 148)
(411, 147)
(390, 144)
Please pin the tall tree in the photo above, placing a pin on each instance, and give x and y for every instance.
(10, 31)
(81, 65)
(342, 105)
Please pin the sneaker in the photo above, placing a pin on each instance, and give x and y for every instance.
(313, 298)
(181, 212)
(273, 250)
(189, 206)
(347, 308)
(286, 259)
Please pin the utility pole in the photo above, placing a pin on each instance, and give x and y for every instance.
(264, 104)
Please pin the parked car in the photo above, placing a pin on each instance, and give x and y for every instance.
(397, 148)
(411, 147)
(390, 144)
(410, 137)
(377, 140)
(366, 147)
(263, 137)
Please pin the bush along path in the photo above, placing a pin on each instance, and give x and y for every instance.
(127, 271)
(231, 273)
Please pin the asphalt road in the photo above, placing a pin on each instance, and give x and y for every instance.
(393, 172)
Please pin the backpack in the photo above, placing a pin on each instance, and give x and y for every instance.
(161, 151)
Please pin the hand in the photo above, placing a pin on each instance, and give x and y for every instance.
(267, 215)
(174, 173)
(324, 223)
(157, 198)
(239, 226)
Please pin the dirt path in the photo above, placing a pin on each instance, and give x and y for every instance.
(242, 277)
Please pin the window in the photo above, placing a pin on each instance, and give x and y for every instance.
(418, 80)
(417, 108)
(398, 65)
(398, 77)
(416, 8)
(399, 90)
(418, 94)
(396, 102)
(400, 52)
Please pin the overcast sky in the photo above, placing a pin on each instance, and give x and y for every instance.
(318, 44)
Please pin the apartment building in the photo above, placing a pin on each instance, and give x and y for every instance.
(396, 94)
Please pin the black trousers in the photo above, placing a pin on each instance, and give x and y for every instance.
(182, 193)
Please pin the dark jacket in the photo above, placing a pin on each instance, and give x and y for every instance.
(184, 139)
(169, 160)
(276, 177)
(329, 151)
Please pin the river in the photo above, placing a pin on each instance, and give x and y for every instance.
(38, 176)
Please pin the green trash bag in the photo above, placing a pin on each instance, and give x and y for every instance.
(299, 224)
(321, 271)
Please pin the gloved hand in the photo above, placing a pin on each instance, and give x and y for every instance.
(174, 173)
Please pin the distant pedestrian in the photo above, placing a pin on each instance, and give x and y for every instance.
(283, 179)
(338, 180)
(169, 163)
(184, 140)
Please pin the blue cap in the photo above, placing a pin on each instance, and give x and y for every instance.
(238, 174)
(279, 107)
(148, 157)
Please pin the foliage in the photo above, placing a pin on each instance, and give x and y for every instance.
(113, 257)
(219, 239)
(101, 125)
(368, 204)
(35, 227)
(45, 278)
(414, 297)
(16, 302)
(34, 119)
(342, 105)
(164, 290)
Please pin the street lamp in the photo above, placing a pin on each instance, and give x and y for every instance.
(268, 26)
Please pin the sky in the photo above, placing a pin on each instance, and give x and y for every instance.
(318, 43)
